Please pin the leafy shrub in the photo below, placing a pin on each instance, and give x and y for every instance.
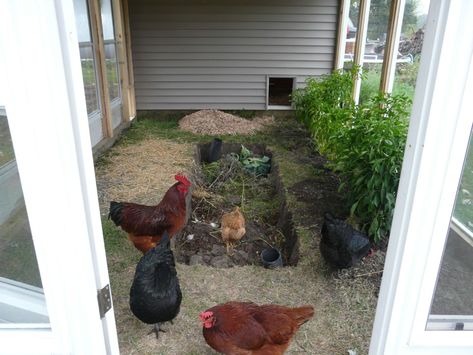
(364, 142)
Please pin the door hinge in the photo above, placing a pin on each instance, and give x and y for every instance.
(105, 300)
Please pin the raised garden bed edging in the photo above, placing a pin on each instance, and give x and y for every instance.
(290, 247)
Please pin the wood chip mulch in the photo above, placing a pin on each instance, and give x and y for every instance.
(215, 122)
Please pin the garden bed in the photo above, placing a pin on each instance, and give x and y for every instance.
(221, 186)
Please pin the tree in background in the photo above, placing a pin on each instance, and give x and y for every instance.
(379, 16)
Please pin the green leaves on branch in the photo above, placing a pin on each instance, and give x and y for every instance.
(365, 143)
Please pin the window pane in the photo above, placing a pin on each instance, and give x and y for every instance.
(351, 32)
(410, 47)
(452, 306)
(464, 202)
(107, 19)
(82, 20)
(90, 80)
(112, 70)
(21, 296)
(374, 48)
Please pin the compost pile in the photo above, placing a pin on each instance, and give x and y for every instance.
(215, 122)
(220, 186)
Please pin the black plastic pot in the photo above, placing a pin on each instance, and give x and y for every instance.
(271, 258)
(215, 150)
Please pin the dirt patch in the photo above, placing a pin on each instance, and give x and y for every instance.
(215, 122)
(201, 244)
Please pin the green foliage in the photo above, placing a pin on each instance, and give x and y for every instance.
(365, 143)
(379, 16)
(254, 164)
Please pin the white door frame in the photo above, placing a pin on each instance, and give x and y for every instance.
(436, 145)
(45, 104)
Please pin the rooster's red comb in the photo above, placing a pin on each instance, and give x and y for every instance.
(182, 179)
(205, 315)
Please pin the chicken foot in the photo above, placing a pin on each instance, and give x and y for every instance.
(230, 246)
(156, 329)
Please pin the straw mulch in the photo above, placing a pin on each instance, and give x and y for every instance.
(141, 172)
(215, 122)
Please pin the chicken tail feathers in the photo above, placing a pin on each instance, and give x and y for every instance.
(115, 212)
(302, 314)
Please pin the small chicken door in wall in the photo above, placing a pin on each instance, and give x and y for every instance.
(279, 91)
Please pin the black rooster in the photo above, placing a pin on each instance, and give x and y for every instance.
(155, 295)
(341, 245)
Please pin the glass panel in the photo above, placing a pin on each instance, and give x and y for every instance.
(112, 70)
(82, 20)
(410, 47)
(107, 19)
(21, 296)
(89, 77)
(374, 48)
(352, 26)
(452, 305)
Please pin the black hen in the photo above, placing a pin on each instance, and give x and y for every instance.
(341, 245)
(155, 295)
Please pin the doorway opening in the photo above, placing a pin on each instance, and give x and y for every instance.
(280, 91)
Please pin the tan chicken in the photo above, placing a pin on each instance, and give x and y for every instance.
(232, 227)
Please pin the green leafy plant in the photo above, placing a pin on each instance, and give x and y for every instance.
(254, 164)
(365, 143)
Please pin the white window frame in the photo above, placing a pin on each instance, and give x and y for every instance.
(46, 110)
(438, 136)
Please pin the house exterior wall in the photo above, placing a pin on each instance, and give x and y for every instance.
(194, 54)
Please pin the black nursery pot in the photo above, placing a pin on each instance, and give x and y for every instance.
(215, 150)
(271, 258)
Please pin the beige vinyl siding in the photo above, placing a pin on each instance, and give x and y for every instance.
(191, 54)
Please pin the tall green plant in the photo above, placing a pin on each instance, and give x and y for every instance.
(364, 142)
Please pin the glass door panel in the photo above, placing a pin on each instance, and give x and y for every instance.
(21, 294)
(111, 62)
(89, 70)
(452, 305)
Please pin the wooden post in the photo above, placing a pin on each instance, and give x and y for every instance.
(392, 45)
(122, 58)
(361, 32)
(97, 35)
(131, 80)
(344, 9)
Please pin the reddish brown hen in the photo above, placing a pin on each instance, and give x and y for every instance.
(244, 328)
(145, 225)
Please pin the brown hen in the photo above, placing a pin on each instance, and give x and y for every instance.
(232, 227)
(244, 328)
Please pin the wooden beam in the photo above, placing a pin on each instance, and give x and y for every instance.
(97, 35)
(121, 58)
(360, 43)
(131, 79)
(343, 11)
(392, 45)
